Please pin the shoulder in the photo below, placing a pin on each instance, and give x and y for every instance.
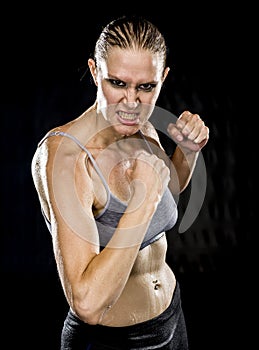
(67, 140)
(59, 162)
(58, 151)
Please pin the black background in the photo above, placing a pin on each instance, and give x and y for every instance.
(44, 55)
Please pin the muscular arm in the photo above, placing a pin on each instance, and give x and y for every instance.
(191, 135)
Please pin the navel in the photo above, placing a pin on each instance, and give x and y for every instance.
(156, 284)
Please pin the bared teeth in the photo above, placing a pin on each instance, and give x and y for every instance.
(128, 116)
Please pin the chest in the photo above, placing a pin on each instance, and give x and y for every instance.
(113, 164)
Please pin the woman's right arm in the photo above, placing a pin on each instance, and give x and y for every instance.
(93, 280)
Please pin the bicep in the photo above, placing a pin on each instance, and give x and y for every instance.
(69, 194)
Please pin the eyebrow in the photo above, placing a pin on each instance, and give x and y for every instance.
(110, 77)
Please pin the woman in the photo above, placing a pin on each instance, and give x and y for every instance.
(106, 189)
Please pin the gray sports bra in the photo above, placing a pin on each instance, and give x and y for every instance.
(163, 219)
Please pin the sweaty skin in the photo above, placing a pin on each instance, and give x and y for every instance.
(146, 275)
(119, 285)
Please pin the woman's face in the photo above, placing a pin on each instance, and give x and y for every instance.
(128, 85)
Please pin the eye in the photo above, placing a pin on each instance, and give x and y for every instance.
(147, 87)
(117, 83)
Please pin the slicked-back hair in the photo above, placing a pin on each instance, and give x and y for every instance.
(130, 32)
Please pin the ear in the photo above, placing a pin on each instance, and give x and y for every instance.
(92, 67)
(166, 71)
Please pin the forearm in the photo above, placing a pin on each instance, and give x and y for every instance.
(183, 165)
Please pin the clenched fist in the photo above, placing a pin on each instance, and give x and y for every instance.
(189, 132)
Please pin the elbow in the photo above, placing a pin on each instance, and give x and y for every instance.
(89, 312)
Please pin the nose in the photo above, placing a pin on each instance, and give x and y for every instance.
(131, 97)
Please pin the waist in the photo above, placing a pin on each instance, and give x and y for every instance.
(158, 330)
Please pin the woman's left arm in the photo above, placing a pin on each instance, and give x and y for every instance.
(191, 135)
